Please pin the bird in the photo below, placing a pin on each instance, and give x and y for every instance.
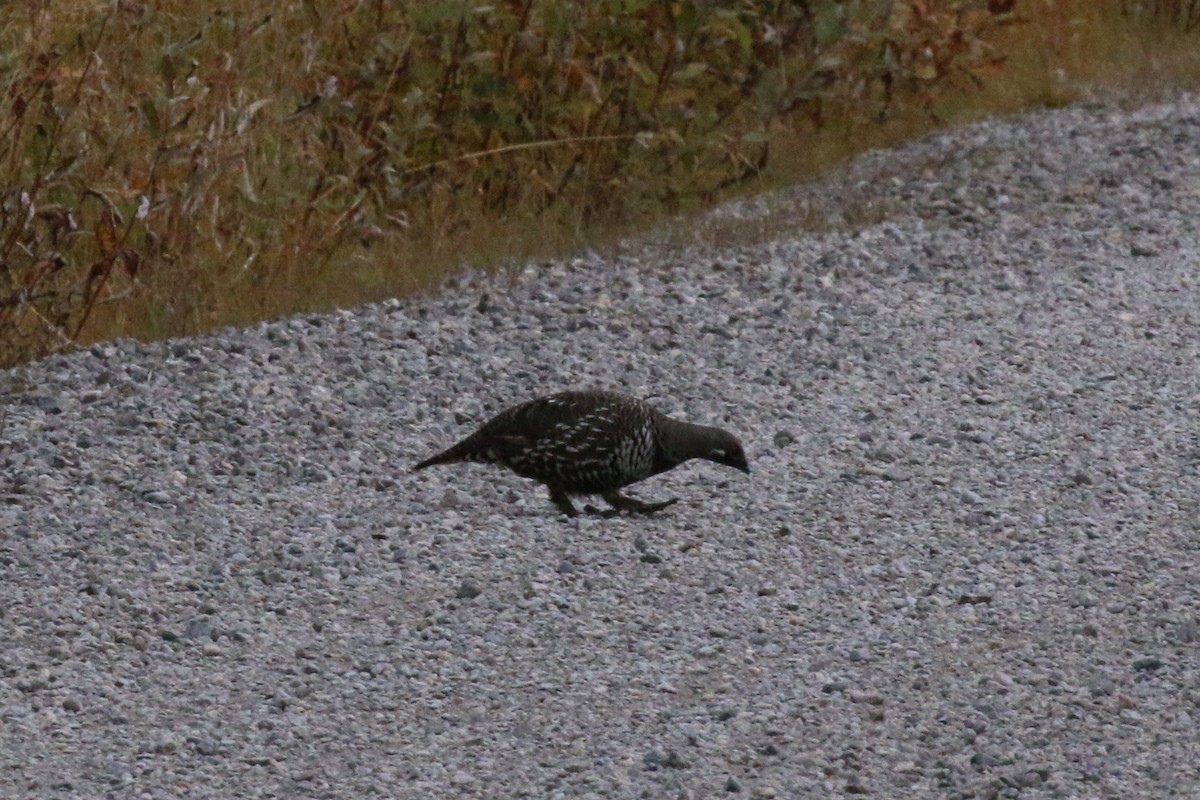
(591, 442)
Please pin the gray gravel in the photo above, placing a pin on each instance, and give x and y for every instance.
(965, 564)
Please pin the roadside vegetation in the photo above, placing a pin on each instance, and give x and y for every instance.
(170, 167)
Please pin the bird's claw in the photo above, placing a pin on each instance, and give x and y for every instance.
(650, 508)
(621, 503)
(607, 513)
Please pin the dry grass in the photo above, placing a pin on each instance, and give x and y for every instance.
(169, 168)
(1060, 53)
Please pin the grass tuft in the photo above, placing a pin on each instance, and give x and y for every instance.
(171, 167)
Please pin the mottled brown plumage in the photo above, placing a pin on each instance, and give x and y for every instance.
(591, 443)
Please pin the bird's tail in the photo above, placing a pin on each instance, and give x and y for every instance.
(444, 457)
(466, 450)
(479, 446)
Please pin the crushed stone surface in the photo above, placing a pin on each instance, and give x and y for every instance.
(965, 565)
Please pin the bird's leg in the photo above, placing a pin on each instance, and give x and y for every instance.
(623, 503)
(560, 499)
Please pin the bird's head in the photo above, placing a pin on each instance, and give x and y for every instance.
(727, 450)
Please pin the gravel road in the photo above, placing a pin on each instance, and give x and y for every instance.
(965, 564)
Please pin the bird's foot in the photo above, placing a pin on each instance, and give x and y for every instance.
(620, 502)
(607, 513)
(650, 508)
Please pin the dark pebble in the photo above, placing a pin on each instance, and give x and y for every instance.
(855, 786)
(1148, 664)
(468, 590)
(670, 759)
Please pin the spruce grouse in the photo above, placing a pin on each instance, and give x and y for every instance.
(591, 442)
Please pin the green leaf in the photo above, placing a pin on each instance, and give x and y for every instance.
(150, 112)
(830, 29)
(690, 72)
(643, 72)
